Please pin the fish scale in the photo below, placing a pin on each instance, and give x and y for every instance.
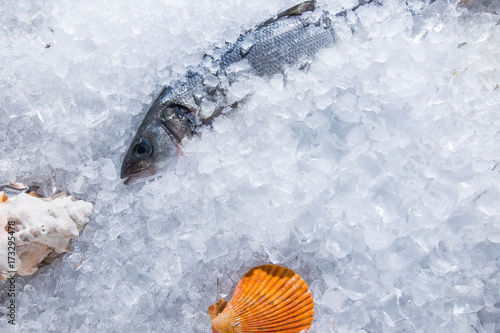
(281, 42)
(290, 37)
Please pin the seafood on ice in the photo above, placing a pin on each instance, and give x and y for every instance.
(292, 37)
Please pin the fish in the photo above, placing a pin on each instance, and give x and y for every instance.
(187, 105)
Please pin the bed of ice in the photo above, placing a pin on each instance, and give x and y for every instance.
(374, 174)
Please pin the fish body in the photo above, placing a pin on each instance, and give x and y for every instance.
(297, 33)
(281, 41)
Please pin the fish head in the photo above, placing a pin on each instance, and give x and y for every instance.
(151, 153)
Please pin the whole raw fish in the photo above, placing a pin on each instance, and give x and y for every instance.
(296, 34)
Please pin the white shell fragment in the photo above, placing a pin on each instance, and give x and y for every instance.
(42, 229)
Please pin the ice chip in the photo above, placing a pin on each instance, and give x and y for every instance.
(108, 169)
(389, 307)
(427, 287)
(380, 237)
(339, 243)
(334, 299)
(489, 317)
(487, 202)
(216, 247)
(168, 269)
(468, 298)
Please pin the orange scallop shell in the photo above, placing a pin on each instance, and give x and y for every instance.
(269, 298)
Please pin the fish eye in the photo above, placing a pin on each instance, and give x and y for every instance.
(143, 149)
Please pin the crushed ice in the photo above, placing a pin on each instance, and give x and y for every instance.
(373, 173)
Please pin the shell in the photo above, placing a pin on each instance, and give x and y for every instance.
(42, 229)
(269, 298)
(3, 197)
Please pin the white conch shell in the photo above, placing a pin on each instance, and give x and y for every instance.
(43, 227)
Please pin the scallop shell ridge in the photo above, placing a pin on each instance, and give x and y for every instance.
(268, 298)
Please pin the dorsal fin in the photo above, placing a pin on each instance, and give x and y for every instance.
(301, 8)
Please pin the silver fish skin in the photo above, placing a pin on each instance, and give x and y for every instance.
(296, 34)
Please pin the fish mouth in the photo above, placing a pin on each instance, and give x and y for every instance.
(143, 174)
